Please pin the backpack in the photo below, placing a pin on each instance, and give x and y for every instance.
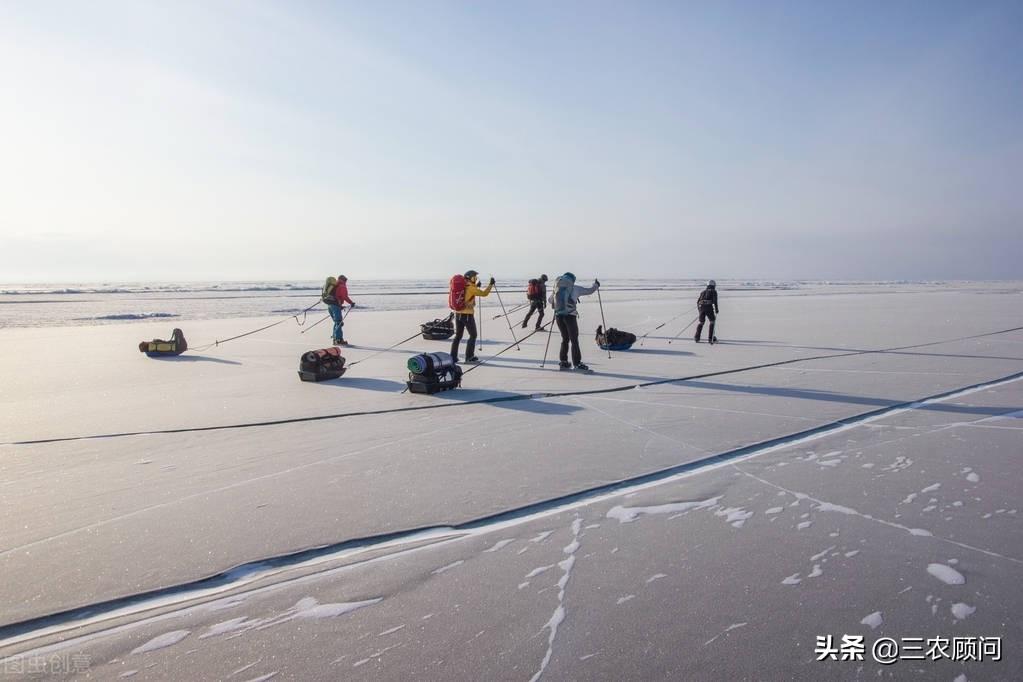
(328, 293)
(456, 293)
(533, 290)
(562, 296)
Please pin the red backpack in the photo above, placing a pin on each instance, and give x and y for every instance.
(456, 293)
(533, 292)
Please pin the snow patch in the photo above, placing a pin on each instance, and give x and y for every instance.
(162, 641)
(453, 564)
(961, 610)
(500, 544)
(736, 516)
(537, 571)
(946, 574)
(873, 620)
(629, 514)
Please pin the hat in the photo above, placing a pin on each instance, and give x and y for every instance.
(469, 274)
(712, 284)
(569, 275)
(342, 278)
(543, 277)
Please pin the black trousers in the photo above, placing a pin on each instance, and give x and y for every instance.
(568, 325)
(706, 313)
(462, 323)
(535, 306)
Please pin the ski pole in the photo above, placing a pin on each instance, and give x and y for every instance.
(479, 310)
(548, 346)
(662, 324)
(323, 319)
(682, 331)
(503, 350)
(513, 310)
(506, 318)
(602, 321)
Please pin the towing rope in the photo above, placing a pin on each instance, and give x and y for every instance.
(507, 398)
(303, 313)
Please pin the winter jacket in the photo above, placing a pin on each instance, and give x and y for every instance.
(573, 297)
(341, 294)
(472, 290)
(707, 297)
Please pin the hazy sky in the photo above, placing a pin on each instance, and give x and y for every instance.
(251, 140)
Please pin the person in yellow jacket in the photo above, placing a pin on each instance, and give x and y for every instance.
(465, 316)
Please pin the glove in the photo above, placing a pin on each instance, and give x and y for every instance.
(351, 305)
(493, 281)
(597, 282)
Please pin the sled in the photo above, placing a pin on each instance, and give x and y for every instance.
(321, 365)
(159, 348)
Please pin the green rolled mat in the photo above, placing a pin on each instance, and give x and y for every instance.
(417, 364)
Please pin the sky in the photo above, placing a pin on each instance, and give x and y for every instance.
(250, 140)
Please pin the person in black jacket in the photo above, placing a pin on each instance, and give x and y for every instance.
(707, 304)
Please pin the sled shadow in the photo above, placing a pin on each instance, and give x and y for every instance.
(509, 401)
(193, 358)
(368, 383)
(653, 351)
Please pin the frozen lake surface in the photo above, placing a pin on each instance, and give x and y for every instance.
(845, 462)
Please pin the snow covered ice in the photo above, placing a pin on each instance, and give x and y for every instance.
(532, 524)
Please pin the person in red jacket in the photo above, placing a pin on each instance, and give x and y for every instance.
(340, 297)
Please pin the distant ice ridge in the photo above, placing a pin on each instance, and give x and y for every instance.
(130, 316)
(152, 288)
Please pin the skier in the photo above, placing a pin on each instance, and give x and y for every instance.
(563, 300)
(335, 295)
(707, 304)
(465, 314)
(536, 293)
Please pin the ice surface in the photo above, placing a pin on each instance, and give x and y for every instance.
(265, 492)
